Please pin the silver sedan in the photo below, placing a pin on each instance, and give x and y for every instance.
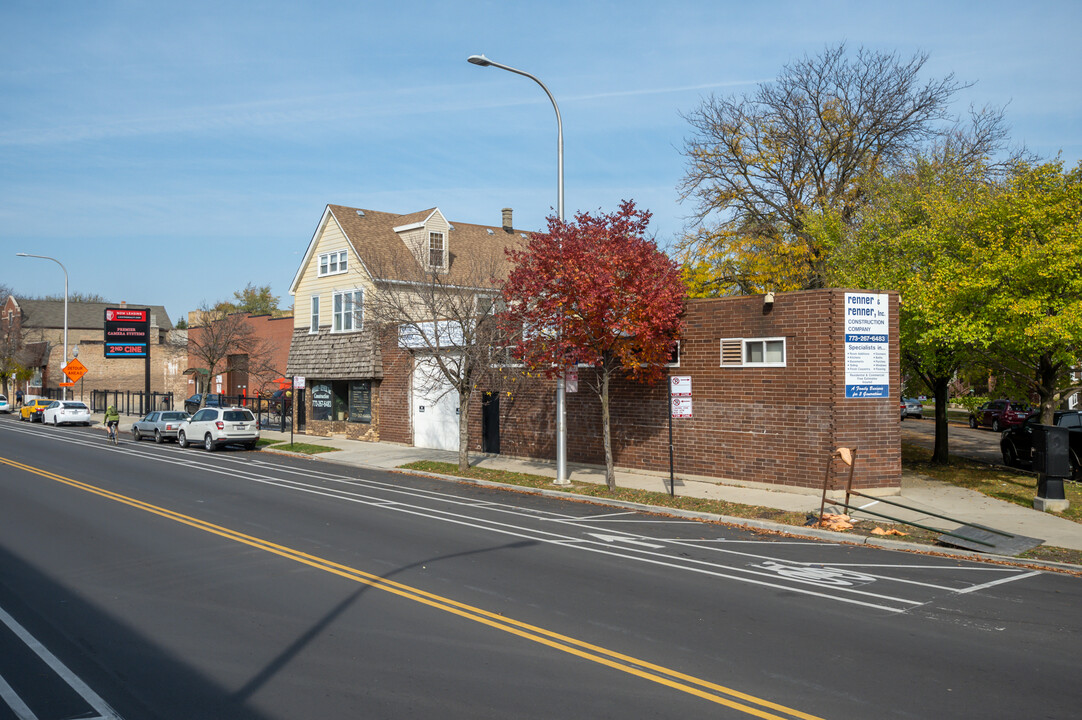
(160, 425)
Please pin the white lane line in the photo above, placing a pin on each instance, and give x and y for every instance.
(605, 515)
(998, 582)
(9, 696)
(74, 681)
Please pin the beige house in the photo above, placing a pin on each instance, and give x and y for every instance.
(350, 369)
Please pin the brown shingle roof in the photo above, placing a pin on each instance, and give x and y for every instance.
(387, 257)
(81, 315)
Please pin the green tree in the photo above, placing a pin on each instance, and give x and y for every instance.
(255, 300)
(1026, 300)
(770, 169)
(912, 239)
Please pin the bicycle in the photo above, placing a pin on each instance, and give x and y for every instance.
(114, 432)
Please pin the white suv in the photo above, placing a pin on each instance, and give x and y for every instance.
(215, 427)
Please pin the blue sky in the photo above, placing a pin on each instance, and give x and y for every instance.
(171, 153)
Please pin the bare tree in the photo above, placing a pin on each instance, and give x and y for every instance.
(448, 317)
(224, 341)
(769, 169)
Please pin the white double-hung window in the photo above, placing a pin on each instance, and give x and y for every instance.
(332, 263)
(436, 249)
(348, 306)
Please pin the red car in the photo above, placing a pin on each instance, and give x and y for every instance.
(999, 415)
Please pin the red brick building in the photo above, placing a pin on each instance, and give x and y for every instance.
(246, 376)
(775, 421)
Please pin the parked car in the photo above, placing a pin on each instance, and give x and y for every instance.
(5, 406)
(62, 412)
(33, 410)
(191, 405)
(913, 408)
(1017, 442)
(162, 425)
(999, 415)
(215, 427)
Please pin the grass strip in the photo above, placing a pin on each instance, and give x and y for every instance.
(303, 448)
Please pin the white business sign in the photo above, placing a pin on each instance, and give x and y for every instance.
(867, 345)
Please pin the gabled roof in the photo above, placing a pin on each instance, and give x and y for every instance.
(81, 315)
(384, 255)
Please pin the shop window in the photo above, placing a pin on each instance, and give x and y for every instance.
(342, 401)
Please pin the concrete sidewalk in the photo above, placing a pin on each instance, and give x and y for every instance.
(924, 495)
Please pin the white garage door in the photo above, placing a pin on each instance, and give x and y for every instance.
(435, 407)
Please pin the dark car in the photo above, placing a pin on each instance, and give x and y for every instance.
(1017, 442)
(999, 415)
(191, 405)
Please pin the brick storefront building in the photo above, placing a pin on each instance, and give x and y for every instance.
(774, 423)
(42, 321)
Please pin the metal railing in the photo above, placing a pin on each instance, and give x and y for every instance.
(130, 402)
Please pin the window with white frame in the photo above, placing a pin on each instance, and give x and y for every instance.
(348, 309)
(436, 248)
(753, 352)
(332, 263)
(314, 326)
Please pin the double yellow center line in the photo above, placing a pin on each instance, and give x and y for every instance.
(640, 668)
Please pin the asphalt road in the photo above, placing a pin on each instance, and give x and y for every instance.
(978, 444)
(147, 581)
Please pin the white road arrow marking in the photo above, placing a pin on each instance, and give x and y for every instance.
(621, 538)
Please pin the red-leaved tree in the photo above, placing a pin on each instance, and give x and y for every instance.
(596, 291)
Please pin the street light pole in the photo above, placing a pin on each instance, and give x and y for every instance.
(64, 364)
(561, 407)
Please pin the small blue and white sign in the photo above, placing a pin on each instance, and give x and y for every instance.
(867, 345)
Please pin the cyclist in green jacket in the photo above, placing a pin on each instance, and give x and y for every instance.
(112, 421)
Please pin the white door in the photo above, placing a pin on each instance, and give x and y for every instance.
(434, 408)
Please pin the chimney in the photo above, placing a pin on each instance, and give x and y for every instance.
(507, 220)
(123, 303)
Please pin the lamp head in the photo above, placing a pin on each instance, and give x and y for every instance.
(21, 255)
(479, 60)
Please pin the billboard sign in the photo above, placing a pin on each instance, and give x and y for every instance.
(127, 332)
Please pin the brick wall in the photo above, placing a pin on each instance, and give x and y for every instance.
(765, 425)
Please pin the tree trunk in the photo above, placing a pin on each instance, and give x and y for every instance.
(464, 430)
(1046, 390)
(610, 473)
(940, 452)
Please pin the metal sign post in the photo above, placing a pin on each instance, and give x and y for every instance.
(679, 406)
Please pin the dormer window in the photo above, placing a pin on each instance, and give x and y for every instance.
(332, 263)
(436, 249)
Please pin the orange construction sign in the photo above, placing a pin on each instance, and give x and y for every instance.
(75, 370)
